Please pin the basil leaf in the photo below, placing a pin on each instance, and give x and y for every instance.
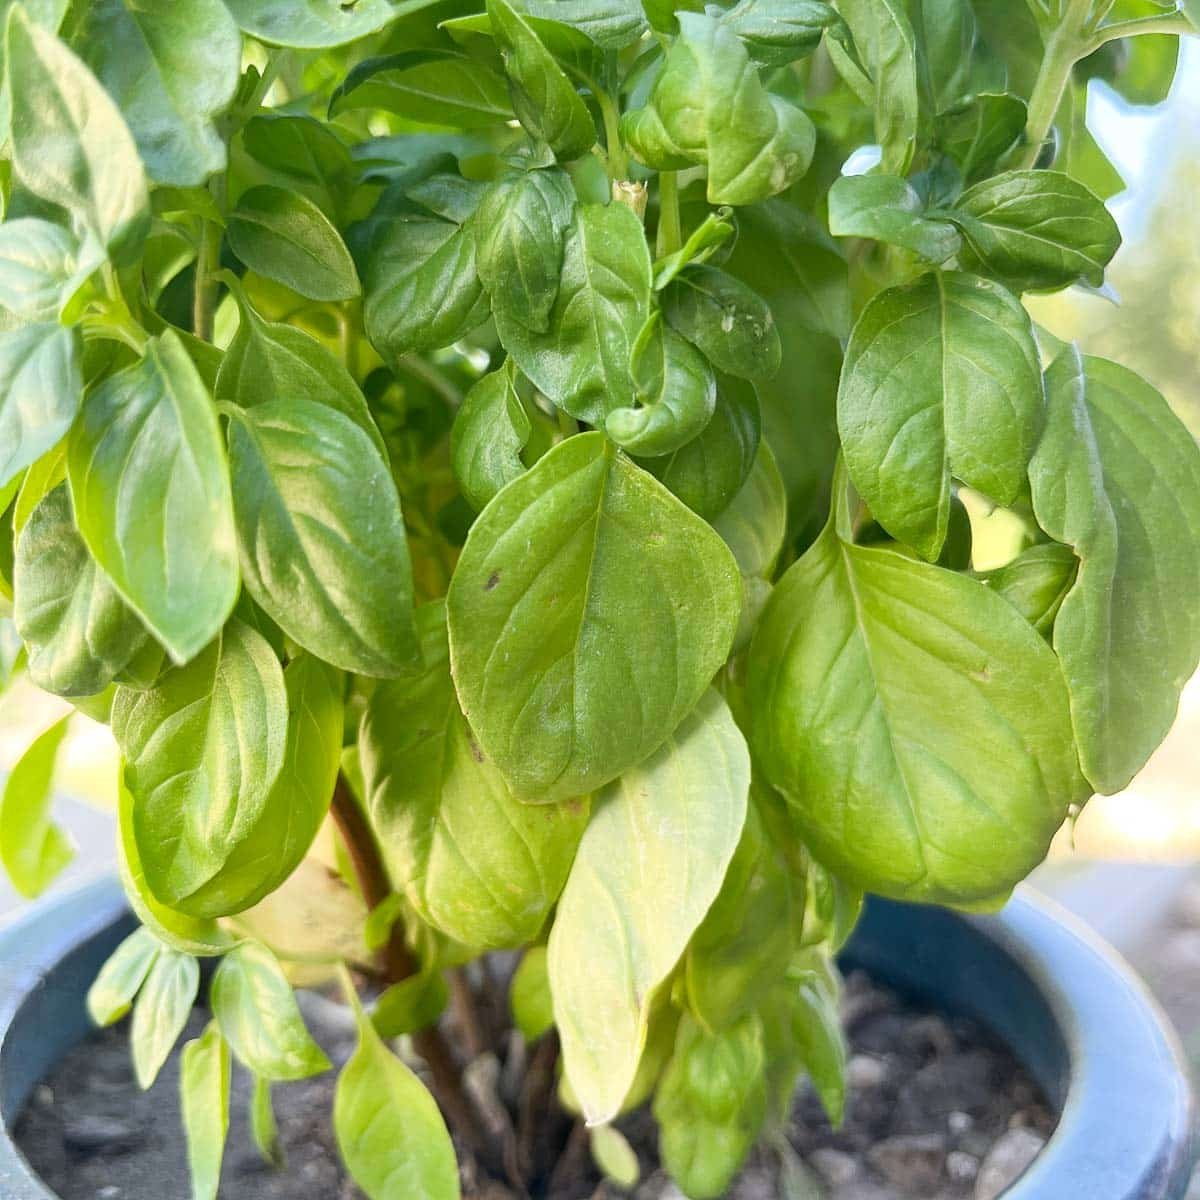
(317, 24)
(677, 392)
(1035, 230)
(256, 1010)
(474, 862)
(33, 849)
(72, 147)
(204, 1098)
(707, 76)
(1117, 477)
(580, 536)
(434, 87)
(77, 630)
(323, 547)
(389, 1131)
(411, 1005)
(978, 134)
(611, 24)
(946, 33)
(582, 361)
(305, 151)
(520, 226)
(172, 70)
(544, 99)
(1036, 582)
(889, 210)
(711, 1105)
(286, 237)
(152, 498)
(490, 431)
(40, 388)
(817, 1035)
(729, 321)
(709, 471)
(941, 379)
(778, 32)
(263, 1127)
(529, 994)
(754, 524)
(650, 864)
(41, 268)
(614, 1156)
(422, 291)
(871, 767)
(203, 749)
(111, 995)
(162, 1009)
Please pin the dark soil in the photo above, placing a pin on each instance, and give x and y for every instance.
(936, 1111)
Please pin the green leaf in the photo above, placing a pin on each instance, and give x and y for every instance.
(152, 498)
(650, 864)
(711, 1105)
(389, 1131)
(40, 389)
(529, 994)
(317, 24)
(305, 151)
(1035, 230)
(778, 32)
(433, 87)
(889, 210)
(411, 1005)
(817, 1030)
(947, 792)
(256, 1010)
(77, 630)
(677, 393)
(611, 24)
(42, 266)
(203, 749)
(520, 227)
(727, 320)
(1036, 582)
(614, 1156)
(946, 33)
(323, 547)
(940, 380)
(204, 1098)
(162, 1009)
(1117, 477)
(709, 106)
(172, 69)
(263, 1128)
(490, 431)
(560, 697)
(284, 236)
(474, 862)
(754, 524)
(981, 131)
(544, 99)
(422, 291)
(582, 361)
(111, 995)
(72, 147)
(32, 848)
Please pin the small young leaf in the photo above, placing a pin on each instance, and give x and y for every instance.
(32, 848)
(979, 133)
(529, 995)
(411, 1005)
(41, 268)
(256, 1010)
(307, 152)
(111, 995)
(204, 1097)
(817, 1030)
(1036, 582)
(614, 1156)
(490, 431)
(263, 1128)
(889, 209)
(162, 1009)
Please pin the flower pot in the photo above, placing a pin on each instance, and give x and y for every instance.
(1072, 1012)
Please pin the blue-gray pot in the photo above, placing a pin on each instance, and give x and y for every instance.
(1072, 1012)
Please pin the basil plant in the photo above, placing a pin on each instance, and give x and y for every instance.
(504, 475)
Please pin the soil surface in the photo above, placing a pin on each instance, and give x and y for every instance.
(936, 1111)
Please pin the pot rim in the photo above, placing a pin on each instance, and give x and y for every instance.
(1072, 1011)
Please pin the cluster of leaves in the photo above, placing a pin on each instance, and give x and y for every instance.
(513, 429)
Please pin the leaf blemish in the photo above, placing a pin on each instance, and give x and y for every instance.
(493, 579)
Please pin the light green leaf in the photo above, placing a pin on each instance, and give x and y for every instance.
(544, 99)
(263, 1127)
(560, 697)
(111, 995)
(1117, 476)
(940, 380)
(614, 1156)
(42, 266)
(162, 1009)
(204, 1098)
(77, 630)
(474, 862)
(817, 1030)
(778, 32)
(152, 498)
(755, 523)
(70, 144)
(490, 431)
(611, 24)
(323, 547)
(40, 390)
(256, 1010)
(1036, 582)
(1035, 230)
(411, 1005)
(286, 237)
(889, 209)
(582, 362)
(32, 848)
(171, 69)
(390, 1133)
(946, 791)
(650, 864)
(529, 994)
(708, 106)
(203, 750)
(317, 24)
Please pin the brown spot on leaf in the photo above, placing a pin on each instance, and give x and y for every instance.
(476, 752)
(493, 579)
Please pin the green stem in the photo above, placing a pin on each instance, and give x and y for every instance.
(204, 295)
(1065, 46)
(616, 160)
(1176, 23)
(670, 233)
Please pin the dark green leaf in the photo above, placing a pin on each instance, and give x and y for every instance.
(32, 848)
(777, 32)
(1036, 582)
(304, 150)
(204, 1098)
(490, 431)
(111, 995)
(889, 209)
(980, 132)
(162, 1009)
(946, 32)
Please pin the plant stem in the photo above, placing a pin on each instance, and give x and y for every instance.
(1176, 23)
(204, 295)
(670, 232)
(1065, 46)
(615, 158)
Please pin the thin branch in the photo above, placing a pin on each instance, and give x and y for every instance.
(1176, 23)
